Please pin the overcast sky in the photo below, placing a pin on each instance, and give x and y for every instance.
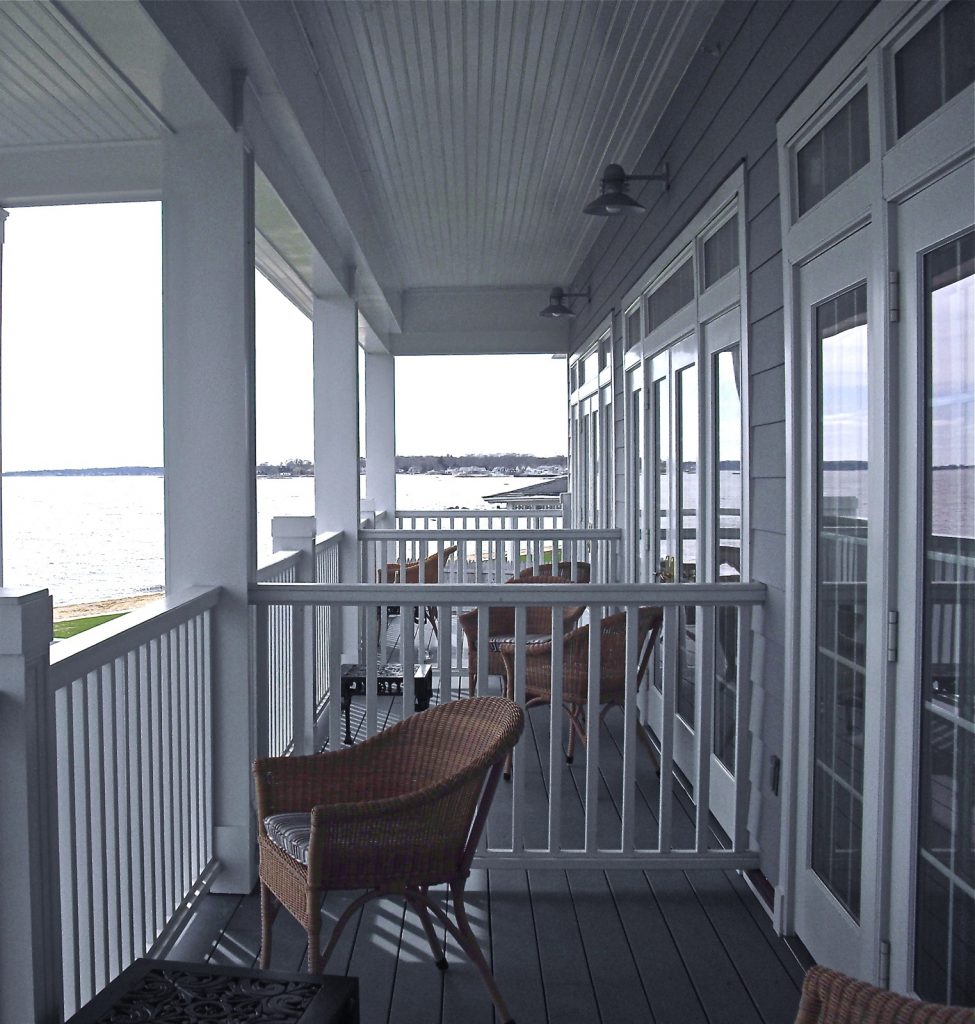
(81, 359)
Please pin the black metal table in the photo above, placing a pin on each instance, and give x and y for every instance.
(389, 682)
(171, 991)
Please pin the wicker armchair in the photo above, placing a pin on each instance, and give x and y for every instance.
(829, 997)
(501, 625)
(394, 815)
(575, 668)
(432, 566)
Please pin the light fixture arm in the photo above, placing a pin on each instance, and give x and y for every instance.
(664, 177)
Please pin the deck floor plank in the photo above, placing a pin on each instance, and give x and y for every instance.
(746, 948)
(615, 979)
(575, 947)
(718, 984)
(566, 977)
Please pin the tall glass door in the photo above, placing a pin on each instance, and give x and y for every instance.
(933, 876)
(843, 657)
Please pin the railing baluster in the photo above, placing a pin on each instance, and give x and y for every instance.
(518, 776)
(703, 722)
(372, 698)
(483, 624)
(592, 728)
(751, 662)
(671, 638)
(632, 653)
(556, 760)
(407, 613)
(335, 723)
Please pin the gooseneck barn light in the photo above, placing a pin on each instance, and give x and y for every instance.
(556, 302)
(613, 200)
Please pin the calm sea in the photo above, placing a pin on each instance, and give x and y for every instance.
(88, 538)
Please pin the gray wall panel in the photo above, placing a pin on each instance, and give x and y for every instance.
(723, 114)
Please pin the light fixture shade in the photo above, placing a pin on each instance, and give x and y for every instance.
(556, 306)
(610, 204)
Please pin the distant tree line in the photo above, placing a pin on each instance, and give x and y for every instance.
(509, 462)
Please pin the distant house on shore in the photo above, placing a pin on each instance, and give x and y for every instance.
(545, 494)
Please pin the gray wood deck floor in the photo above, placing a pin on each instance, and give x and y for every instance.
(566, 947)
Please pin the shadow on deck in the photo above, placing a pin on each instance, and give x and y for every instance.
(566, 947)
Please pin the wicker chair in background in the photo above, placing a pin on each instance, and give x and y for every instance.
(501, 625)
(575, 669)
(394, 815)
(829, 997)
(583, 571)
(432, 567)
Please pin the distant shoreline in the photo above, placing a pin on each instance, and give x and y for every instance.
(94, 471)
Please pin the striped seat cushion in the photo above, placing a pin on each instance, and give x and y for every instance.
(290, 832)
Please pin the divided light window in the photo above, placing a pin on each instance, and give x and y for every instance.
(935, 65)
(834, 154)
(633, 327)
(721, 252)
(674, 294)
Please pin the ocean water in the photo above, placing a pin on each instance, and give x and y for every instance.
(89, 538)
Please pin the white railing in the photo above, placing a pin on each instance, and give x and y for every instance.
(281, 655)
(275, 655)
(128, 713)
(613, 827)
(489, 556)
(479, 519)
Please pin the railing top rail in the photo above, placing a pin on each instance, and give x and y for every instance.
(278, 562)
(97, 646)
(568, 594)
(450, 533)
(329, 537)
(477, 513)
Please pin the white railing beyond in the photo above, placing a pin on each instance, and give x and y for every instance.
(633, 840)
(479, 518)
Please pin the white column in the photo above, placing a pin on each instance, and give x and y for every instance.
(336, 391)
(3, 218)
(381, 433)
(208, 426)
(30, 933)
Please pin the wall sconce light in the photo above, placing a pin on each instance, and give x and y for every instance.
(556, 305)
(613, 199)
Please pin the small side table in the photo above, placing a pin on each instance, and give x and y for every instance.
(389, 682)
(170, 990)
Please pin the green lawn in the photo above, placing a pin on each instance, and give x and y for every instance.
(69, 627)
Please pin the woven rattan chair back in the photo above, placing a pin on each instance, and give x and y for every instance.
(829, 997)
(393, 815)
(501, 623)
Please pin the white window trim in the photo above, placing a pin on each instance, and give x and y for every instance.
(897, 169)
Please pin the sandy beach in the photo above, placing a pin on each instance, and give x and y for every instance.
(112, 606)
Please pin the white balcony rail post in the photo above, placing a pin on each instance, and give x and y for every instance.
(209, 444)
(297, 533)
(30, 927)
(381, 430)
(336, 401)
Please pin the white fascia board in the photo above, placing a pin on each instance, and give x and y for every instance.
(477, 321)
(103, 172)
(478, 343)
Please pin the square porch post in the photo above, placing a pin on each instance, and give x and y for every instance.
(336, 398)
(209, 446)
(381, 433)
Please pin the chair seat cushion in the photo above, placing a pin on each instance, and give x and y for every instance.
(290, 832)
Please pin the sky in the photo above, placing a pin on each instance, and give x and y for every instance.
(81, 359)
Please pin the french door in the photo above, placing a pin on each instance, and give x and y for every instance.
(843, 657)
(933, 850)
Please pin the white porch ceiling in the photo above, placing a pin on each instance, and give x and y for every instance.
(57, 89)
(480, 129)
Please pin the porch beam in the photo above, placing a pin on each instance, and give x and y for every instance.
(335, 348)
(209, 445)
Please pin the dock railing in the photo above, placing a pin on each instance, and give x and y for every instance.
(645, 832)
